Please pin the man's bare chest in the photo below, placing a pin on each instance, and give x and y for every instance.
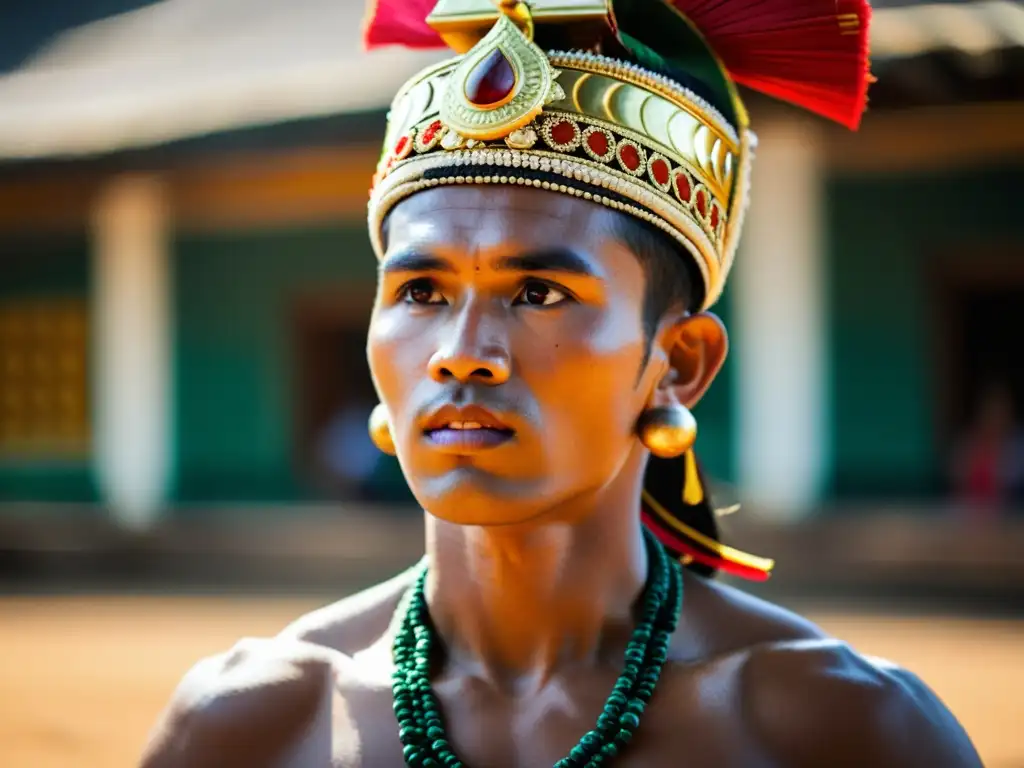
(694, 720)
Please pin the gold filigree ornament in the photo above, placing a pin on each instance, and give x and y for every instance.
(500, 85)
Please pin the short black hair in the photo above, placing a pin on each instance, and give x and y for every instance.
(673, 280)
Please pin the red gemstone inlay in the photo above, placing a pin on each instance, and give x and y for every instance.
(683, 189)
(563, 132)
(491, 81)
(401, 146)
(430, 132)
(629, 156)
(598, 143)
(714, 217)
(702, 203)
(659, 170)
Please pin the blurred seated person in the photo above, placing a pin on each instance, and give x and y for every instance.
(345, 454)
(988, 467)
(352, 467)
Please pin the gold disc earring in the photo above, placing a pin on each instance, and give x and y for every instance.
(667, 431)
(380, 430)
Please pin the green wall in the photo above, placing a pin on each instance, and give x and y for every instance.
(883, 234)
(234, 294)
(44, 267)
(716, 425)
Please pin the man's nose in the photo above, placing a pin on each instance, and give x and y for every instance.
(474, 347)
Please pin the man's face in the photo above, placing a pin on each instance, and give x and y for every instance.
(507, 345)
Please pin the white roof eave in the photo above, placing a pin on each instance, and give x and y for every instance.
(183, 68)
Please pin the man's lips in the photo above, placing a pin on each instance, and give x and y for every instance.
(466, 428)
(464, 417)
(463, 440)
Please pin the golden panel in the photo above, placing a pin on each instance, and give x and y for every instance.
(717, 159)
(44, 379)
(656, 115)
(728, 169)
(702, 149)
(682, 132)
(582, 92)
(626, 105)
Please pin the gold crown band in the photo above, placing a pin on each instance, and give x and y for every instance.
(570, 175)
(609, 132)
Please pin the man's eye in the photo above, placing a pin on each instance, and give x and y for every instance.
(421, 292)
(539, 294)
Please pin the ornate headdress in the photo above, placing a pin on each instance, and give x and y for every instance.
(632, 104)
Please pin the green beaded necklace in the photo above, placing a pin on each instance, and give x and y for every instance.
(421, 728)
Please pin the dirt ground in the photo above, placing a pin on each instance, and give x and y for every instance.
(82, 679)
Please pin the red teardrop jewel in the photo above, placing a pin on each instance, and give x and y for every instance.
(402, 148)
(659, 172)
(491, 81)
(683, 189)
(598, 143)
(563, 132)
(431, 131)
(629, 157)
(702, 203)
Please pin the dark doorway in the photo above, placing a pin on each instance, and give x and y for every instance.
(992, 347)
(981, 340)
(334, 397)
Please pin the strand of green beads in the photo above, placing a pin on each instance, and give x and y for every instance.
(596, 742)
(430, 708)
(617, 727)
(642, 692)
(421, 728)
(408, 650)
(403, 700)
(427, 743)
(596, 747)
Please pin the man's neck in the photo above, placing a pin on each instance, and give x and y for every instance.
(516, 604)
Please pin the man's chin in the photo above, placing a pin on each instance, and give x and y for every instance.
(470, 496)
(486, 519)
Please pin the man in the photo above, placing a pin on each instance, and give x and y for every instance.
(551, 230)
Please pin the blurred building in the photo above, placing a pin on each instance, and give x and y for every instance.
(185, 277)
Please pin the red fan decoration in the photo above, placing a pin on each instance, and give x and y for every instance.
(811, 53)
(400, 22)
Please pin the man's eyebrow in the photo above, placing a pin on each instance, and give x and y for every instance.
(553, 260)
(414, 261)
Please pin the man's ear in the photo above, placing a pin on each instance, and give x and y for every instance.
(696, 346)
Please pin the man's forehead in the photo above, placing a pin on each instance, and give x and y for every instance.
(487, 216)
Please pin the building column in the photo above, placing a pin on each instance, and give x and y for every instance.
(131, 348)
(780, 324)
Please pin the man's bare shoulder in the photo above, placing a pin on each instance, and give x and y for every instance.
(721, 620)
(819, 702)
(357, 622)
(809, 699)
(267, 701)
(260, 703)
